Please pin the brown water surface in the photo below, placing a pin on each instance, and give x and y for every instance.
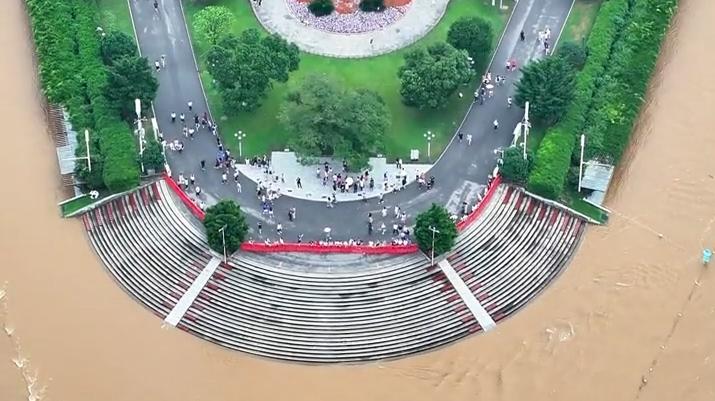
(631, 318)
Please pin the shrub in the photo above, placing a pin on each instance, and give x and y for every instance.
(74, 76)
(573, 53)
(372, 5)
(437, 217)
(153, 157)
(553, 156)
(228, 214)
(321, 8)
(514, 168)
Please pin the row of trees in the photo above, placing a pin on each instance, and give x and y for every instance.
(73, 74)
(432, 74)
(622, 50)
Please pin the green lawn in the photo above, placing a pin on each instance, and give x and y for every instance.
(580, 21)
(265, 133)
(115, 15)
(76, 204)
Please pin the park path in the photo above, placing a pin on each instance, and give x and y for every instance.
(460, 172)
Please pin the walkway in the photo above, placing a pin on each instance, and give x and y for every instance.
(460, 171)
(420, 18)
(482, 316)
(174, 317)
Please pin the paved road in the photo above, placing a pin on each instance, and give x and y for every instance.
(459, 173)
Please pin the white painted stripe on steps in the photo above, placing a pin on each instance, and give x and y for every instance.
(190, 295)
(467, 296)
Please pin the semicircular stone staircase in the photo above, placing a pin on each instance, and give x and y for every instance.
(331, 308)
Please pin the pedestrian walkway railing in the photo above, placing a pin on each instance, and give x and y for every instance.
(329, 248)
(485, 201)
(190, 204)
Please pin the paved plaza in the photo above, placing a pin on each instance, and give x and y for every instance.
(420, 18)
(285, 171)
(461, 171)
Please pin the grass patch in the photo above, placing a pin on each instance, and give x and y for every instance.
(575, 201)
(75, 204)
(265, 133)
(115, 15)
(580, 21)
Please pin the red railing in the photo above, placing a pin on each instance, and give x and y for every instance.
(473, 216)
(322, 248)
(193, 207)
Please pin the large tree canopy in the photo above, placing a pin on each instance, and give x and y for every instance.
(244, 67)
(325, 119)
(437, 217)
(226, 213)
(213, 22)
(130, 78)
(117, 44)
(430, 75)
(548, 86)
(474, 35)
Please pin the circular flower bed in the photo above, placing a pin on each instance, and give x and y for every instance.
(347, 17)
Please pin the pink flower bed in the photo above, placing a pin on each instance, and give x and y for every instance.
(344, 21)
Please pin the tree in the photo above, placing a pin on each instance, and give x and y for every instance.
(153, 157)
(474, 35)
(514, 168)
(115, 45)
(438, 217)
(213, 22)
(226, 213)
(573, 53)
(548, 86)
(130, 78)
(326, 119)
(430, 75)
(245, 66)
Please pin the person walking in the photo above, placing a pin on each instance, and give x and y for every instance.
(384, 211)
(522, 36)
(173, 117)
(157, 67)
(460, 135)
(279, 229)
(156, 6)
(192, 179)
(163, 61)
(182, 118)
(298, 183)
(496, 124)
(508, 102)
(203, 165)
(190, 104)
(224, 178)
(469, 139)
(260, 228)
(238, 187)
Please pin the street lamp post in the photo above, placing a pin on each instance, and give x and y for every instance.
(580, 165)
(429, 136)
(240, 135)
(526, 125)
(434, 231)
(223, 238)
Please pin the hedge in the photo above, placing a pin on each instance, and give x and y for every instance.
(626, 80)
(553, 158)
(73, 75)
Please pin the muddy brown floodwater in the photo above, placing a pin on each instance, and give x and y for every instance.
(631, 318)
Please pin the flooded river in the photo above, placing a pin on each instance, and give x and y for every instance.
(631, 318)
